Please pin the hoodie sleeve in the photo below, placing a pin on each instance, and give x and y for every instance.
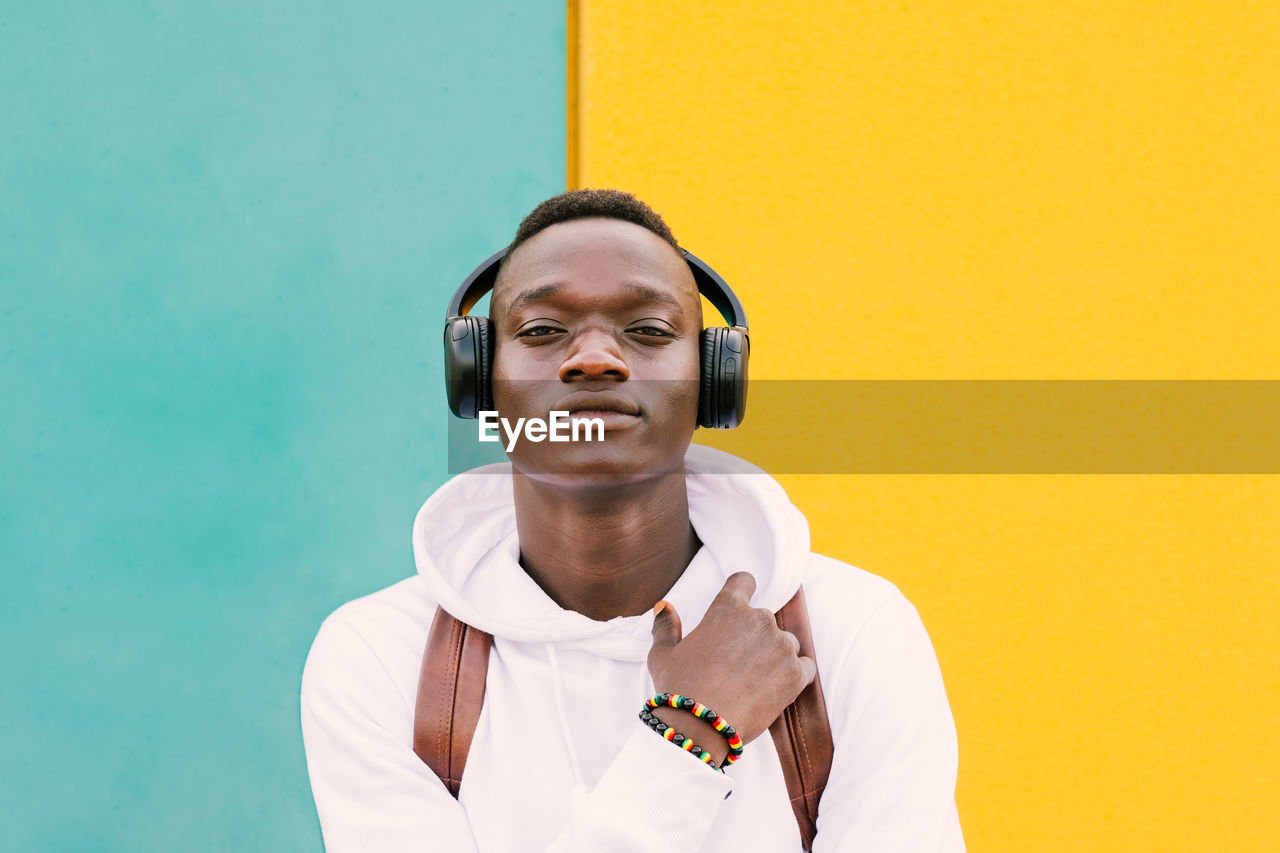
(892, 784)
(652, 797)
(372, 792)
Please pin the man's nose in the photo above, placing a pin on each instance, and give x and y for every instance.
(594, 355)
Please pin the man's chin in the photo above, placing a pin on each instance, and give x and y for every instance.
(595, 468)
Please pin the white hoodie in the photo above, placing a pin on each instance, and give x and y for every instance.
(560, 761)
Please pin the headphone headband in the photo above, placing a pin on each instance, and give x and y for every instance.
(476, 285)
(718, 293)
(709, 283)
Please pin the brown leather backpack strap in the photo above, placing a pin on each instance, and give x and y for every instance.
(802, 734)
(450, 693)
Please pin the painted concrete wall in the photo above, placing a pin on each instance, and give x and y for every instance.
(933, 190)
(227, 235)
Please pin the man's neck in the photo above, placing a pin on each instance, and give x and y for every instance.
(605, 553)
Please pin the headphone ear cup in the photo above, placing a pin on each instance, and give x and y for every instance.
(468, 356)
(707, 381)
(722, 396)
(484, 362)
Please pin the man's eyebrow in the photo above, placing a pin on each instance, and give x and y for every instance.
(652, 294)
(535, 294)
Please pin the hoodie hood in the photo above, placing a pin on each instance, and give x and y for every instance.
(467, 553)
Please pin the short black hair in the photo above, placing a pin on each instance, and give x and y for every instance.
(589, 204)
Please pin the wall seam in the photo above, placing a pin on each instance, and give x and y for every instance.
(571, 94)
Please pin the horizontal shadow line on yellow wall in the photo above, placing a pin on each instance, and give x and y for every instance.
(1008, 427)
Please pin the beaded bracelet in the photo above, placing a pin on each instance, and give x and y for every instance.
(680, 740)
(702, 712)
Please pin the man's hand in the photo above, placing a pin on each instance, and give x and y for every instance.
(737, 662)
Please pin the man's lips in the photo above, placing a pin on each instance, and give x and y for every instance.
(597, 403)
(614, 411)
(609, 419)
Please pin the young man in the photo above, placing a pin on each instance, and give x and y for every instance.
(610, 571)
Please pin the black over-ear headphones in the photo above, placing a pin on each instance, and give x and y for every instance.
(468, 349)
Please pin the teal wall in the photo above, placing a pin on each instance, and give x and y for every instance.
(227, 235)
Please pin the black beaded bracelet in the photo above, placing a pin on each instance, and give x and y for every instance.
(680, 740)
(702, 712)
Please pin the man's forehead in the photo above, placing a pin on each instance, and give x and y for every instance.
(646, 265)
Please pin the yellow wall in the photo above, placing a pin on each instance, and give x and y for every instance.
(982, 190)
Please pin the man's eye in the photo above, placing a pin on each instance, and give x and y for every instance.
(538, 332)
(652, 332)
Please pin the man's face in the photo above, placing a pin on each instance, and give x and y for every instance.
(600, 317)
